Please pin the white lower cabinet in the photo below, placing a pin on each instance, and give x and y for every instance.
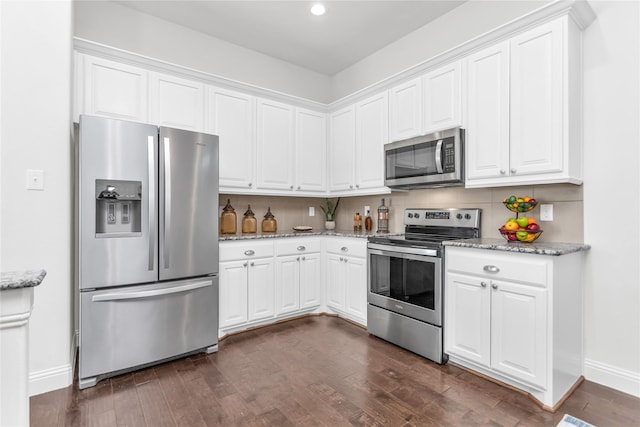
(516, 317)
(297, 275)
(346, 278)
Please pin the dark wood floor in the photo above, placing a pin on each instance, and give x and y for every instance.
(315, 371)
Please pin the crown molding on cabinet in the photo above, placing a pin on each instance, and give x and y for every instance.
(152, 64)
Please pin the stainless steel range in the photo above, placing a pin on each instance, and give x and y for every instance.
(406, 278)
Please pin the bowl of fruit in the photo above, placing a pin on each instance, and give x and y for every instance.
(520, 204)
(522, 229)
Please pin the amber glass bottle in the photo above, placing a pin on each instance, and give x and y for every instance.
(228, 219)
(269, 223)
(249, 221)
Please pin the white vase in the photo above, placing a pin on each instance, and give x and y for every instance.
(330, 225)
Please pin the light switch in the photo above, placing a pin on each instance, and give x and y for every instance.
(35, 179)
(546, 212)
(312, 211)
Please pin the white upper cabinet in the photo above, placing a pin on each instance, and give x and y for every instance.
(372, 133)
(443, 97)
(487, 138)
(405, 110)
(275, 140)
(176, 102)
(311, 151)
(342, 141)
(523, 109)
(232, 117)
(113, 89)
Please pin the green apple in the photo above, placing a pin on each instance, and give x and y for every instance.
(523, 221)
(522, 235)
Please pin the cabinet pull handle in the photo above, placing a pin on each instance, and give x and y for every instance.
(298, 187)
(250, 184)
(291, 187)
(252, 263)
(502, 171)
(344, 249)
(249, 252)
(298, 259)
(346, 259)
(513, 170)
(301, 248)
(483, 284)
(303, 258)
(341, 259)
(357, 185)
(244, 265)
(350, 186)
(494, 286)
(491, 268)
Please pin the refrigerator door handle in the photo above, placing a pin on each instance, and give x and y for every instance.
(127, 295)
(152, 199)
(167, 201)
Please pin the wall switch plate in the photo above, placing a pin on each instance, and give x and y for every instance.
(312, 211)
(546, 212)
(35, 179)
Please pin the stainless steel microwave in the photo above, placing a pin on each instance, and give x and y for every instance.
(434, 160)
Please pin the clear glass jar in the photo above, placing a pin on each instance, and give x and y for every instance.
(383, 218)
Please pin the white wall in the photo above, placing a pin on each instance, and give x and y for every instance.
(118, 26)
(467, 21)
(612, 195)
(36, 225)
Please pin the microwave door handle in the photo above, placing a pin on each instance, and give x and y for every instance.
(439, 156)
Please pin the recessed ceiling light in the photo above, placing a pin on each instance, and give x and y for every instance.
(318, 9)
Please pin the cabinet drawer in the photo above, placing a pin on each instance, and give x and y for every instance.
(297, 246)
(526, 268)
(354, 247)
(245, 249)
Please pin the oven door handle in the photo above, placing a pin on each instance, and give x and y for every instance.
(385, 250)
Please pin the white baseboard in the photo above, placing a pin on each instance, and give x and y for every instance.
(54, 378)
(612, 376)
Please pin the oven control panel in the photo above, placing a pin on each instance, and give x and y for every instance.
(443, 217)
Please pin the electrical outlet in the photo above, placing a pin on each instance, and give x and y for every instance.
(546, 212)
(367, 210)
(312, 211)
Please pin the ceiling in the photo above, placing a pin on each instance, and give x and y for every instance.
(348, 32)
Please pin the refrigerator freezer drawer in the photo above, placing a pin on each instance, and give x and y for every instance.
(126, 327)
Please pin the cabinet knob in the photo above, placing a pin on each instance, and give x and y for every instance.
(357, 185)
(244, 265)
(341, 259)
(494, 286)
(252, 263)
(502, 171)
(298, 259)
(483, 284)
(513, 170)
(344, 249)
(301, 248)
(350, 186)
(303, 258)
(291, 187)
(250, 184)
(298, 187)
(491, 268)
(249, 252)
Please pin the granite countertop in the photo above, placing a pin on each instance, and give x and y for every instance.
(21, 279)
(292, 233)
(540, 248)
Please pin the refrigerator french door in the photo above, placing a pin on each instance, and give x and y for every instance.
(147, 251)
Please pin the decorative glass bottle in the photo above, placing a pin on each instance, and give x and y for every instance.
(368, 222)
(228, 220)
(249, 221)
(269, 223)
(383, 218)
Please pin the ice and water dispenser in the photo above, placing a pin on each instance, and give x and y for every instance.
(118, 208)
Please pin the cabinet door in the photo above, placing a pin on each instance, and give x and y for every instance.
(233, 293)
(112, 89)
(287, 284)
(176, 102)
(443, 97)
(356, 287)
(311, 150)
(487, 135)
(519, 331)
(467, 318)
(405, 110)
(372, 123)
(232, 117)
(342, 140)
(335, 288)
(261, 289)
(310, 273)
(275, 145)
(537, 116)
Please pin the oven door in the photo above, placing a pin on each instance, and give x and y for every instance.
(407, 281)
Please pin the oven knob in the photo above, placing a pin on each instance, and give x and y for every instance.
(459, 216)
(417, 215)
(467, 217)
(410, 215)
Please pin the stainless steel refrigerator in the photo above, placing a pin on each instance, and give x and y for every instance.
(147, 245)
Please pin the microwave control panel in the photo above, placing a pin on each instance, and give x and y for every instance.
(448, 156)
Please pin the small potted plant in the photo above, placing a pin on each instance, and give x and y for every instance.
(330, 213)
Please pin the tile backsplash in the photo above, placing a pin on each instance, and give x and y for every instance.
(567, 201)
